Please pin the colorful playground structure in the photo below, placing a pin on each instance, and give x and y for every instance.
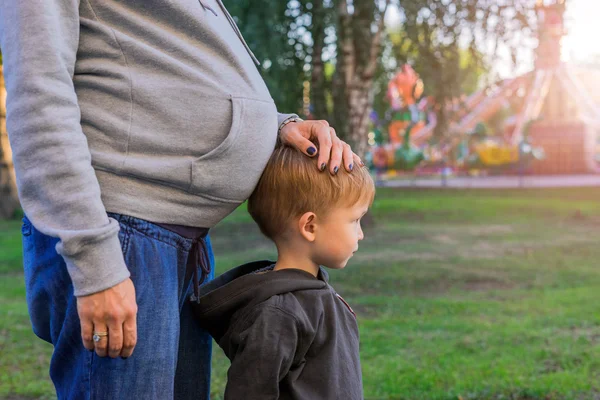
(545, 121)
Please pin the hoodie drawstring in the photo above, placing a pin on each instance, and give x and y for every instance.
(198, 266)
(209, 8)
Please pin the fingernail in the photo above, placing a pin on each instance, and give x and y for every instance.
(350, 167)
(323, 166)
(362, 164)
(311, 151)
(335, 170)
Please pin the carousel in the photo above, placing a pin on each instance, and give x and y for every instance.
(549, 117)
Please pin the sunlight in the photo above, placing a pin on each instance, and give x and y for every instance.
(583, 30)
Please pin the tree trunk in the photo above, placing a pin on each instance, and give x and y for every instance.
(9, 202)
(339, 116)
(358, 50)
(359, 108)
(317, 87)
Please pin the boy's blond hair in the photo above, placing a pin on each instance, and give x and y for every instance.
(292, 185)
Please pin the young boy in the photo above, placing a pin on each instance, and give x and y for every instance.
(288, 334)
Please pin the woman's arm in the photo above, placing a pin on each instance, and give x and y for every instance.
(57, 185)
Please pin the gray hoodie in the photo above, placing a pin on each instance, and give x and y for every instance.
(148, 108)
(288, 334)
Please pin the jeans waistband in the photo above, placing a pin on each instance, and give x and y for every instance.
(198, 264)
(189, 232)
(154, 231)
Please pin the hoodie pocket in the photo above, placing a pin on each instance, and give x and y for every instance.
(231, 170)
(173, 125)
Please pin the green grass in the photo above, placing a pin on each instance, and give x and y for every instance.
(466, 294)
(24, 359)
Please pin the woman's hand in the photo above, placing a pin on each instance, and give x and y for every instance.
(112, 313)
(332, 150)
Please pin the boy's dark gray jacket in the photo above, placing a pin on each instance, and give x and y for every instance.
(288, 334)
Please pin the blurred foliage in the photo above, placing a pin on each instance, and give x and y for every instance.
(275, 30)
(452, 45)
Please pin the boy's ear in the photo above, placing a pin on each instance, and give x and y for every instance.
(307, 224)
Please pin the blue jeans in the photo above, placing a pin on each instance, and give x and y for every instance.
(172, 358)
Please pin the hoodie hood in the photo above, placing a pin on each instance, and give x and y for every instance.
(240, 288)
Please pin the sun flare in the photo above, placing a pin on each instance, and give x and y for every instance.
(582, 42)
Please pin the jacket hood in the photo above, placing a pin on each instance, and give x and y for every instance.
(240, 287)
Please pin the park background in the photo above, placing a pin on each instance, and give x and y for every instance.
(472, 282)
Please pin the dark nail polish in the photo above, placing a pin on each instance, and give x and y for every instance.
(311, 151)
(323, 166)
(350, 167)
(335, 170)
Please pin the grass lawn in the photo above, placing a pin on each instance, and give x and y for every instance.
(470, 294)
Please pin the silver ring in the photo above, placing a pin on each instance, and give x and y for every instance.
(98, 336)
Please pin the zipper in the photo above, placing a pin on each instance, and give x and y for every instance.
(346, 303)
(237, 31)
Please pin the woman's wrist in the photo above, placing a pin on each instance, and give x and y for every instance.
(288, 120)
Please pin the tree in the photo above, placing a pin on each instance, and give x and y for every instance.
(9, 201)
(451, 39)
(275, 30)
(321, 17)
(291, 38)
(397, 50)
(300, 41)
(360, 30)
